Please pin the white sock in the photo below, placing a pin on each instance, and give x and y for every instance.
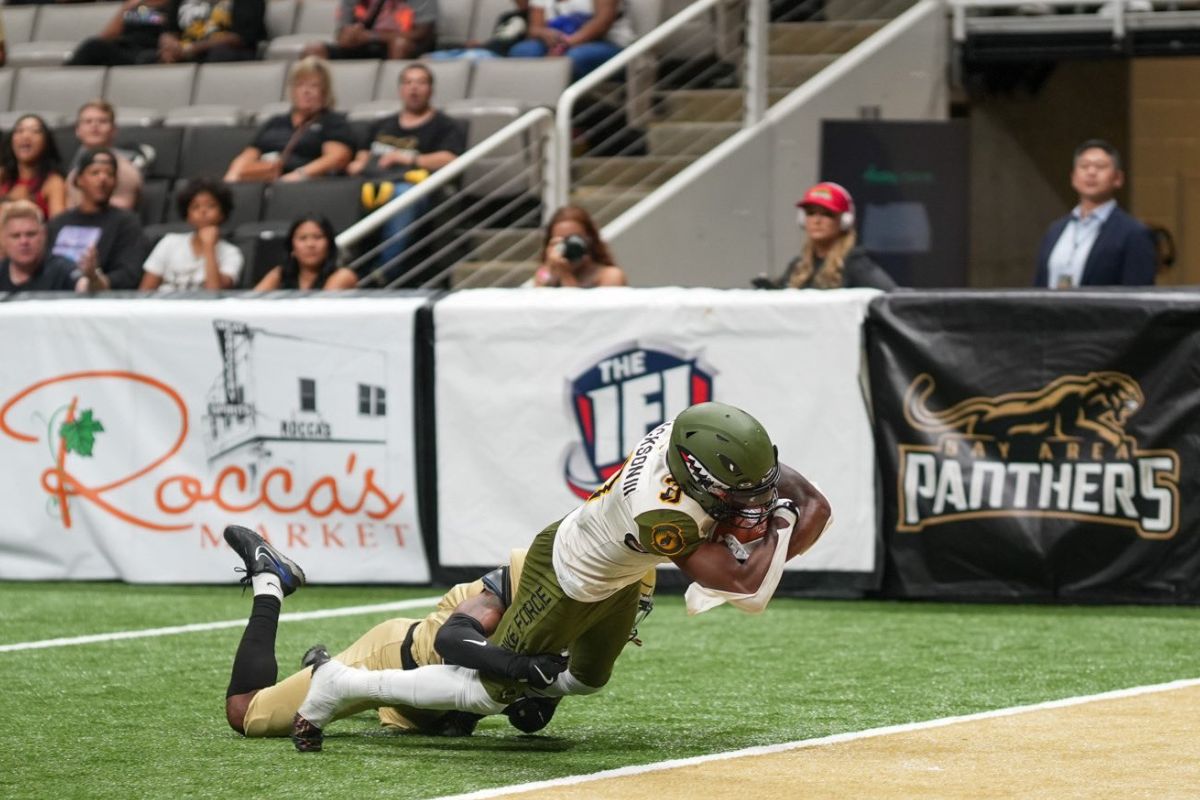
(266, 583)
(566, 684)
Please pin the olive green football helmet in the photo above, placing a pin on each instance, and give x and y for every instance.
(722, 458)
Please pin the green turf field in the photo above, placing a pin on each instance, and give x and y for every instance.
(145, 717)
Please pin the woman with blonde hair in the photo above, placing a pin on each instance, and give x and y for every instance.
(830, 257)
(573, 254)
(310, 140)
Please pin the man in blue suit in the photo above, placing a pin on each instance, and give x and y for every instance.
(1097, 244)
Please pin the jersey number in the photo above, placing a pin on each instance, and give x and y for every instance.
(672, 493)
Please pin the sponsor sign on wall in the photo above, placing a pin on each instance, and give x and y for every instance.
(1038, 445)
(541, 396)
(133, 434)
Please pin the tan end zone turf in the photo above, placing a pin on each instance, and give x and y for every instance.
(1146, 746)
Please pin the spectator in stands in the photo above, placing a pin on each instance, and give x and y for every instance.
(573, 254)
(30, 167)
(312, 261)
(830, 257)
(510, 28)
(308, 141)
(26, 267)
(96, 129)
(105, 242)
(381, 29)
(1097, 244)
(402, 150)
(130, 37)
(201, 259)
(589, 32)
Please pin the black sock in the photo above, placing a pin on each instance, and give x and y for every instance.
(254, 666)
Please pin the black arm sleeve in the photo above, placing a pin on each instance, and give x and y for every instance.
(461, 641)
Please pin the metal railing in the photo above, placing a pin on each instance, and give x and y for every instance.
(506, 176)
(1063, 16)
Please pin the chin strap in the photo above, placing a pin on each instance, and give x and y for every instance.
(700, 598)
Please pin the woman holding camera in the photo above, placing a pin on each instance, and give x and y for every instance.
(573, 254)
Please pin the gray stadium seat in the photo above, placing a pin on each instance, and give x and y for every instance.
(58, 30)
(375, 109)
(454, 21)
(353, 81)
(318, 17)
(53, 119)
(536, 81)
(159, 87)
(207, 150)
(280, 18)
(450, 79)
(263, 245)
(503, 173)
(288, 48)
(204, 116)
(152, 202)
(247, 86)
(165, 142)
(644, 15)
(271, 110)
(486, 14)
(59, 89)
(6, 86)
(129, 117)
(336, 198)
(18, 23)
(247, 204)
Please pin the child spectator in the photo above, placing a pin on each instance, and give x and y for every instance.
(201, 259)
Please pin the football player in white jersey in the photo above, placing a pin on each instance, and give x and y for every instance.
(713, 466)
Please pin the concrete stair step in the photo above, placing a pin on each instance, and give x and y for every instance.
(687, 138)
(702, 105)
(818, 38)
(628, 170)
(477, 274)
(505, 244)
(606, 203)
(865, 9)
(791, 71)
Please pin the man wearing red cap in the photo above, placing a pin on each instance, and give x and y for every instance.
(829, 258)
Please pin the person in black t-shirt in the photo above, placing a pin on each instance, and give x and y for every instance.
(27, 268)
(308, 141)
(403, 150)
(105, 242)
(171, 31)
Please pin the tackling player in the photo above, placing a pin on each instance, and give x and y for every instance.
(257, 706)
(711, 470)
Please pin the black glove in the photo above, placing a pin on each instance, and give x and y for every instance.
(539, 671)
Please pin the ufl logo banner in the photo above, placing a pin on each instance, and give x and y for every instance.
(1060, 451)
(618, 399)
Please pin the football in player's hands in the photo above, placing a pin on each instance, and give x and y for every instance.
(740, 535)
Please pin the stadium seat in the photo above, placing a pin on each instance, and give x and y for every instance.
(375, 109)
(207, 150)
(138, 117)
(57, 89)
(337, 198)
(454, 22)
(152, 203)
(270, 110)
(201, 116)
(536, 81)
(18, 24)
(501, 174)
(486, 14)
(157, 87)
(6, 86)
(53, 119)
(316, 21)
(58, 30)
(247, 203)
(280, 18)
(353, 81)
(264, 245)
(165, 143)
(450, 79)
(247, 86)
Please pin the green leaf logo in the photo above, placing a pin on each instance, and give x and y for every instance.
(80, 436)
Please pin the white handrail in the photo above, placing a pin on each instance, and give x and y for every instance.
(538, 117)
(960, 8)
(566, 101)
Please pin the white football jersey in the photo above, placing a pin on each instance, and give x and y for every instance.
(638, 518)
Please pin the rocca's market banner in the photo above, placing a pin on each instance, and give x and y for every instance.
(132, 432)
(541, 396)
(1039, 445)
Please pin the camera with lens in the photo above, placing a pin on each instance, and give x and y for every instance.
(573, 248)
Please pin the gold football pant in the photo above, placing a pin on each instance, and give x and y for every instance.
(271, 710)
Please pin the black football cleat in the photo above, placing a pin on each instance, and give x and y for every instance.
(531, 714)
(307, 737)
(259, 557)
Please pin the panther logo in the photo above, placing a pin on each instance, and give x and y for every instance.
(1073, 408)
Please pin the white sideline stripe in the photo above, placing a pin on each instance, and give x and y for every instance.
(298, 616)
(571, 780)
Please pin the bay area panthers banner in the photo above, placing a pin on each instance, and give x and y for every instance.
(542, 395)
(1039, 445)
(132, 432)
